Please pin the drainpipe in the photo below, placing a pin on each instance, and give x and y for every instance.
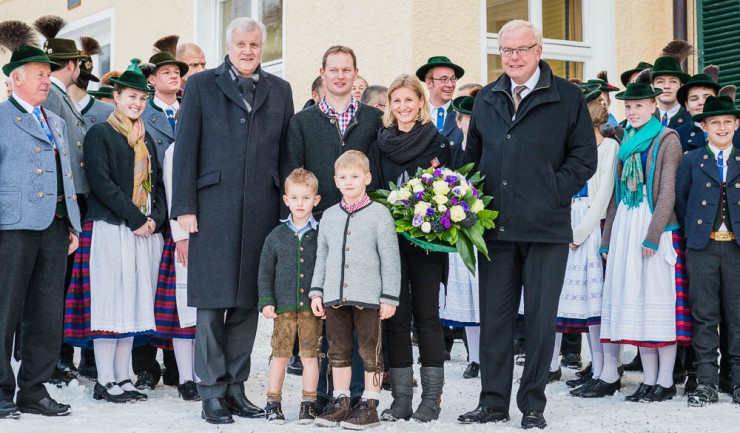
(679, 23)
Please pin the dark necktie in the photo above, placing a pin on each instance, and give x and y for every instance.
(664, 119)
(518, 96)
(246, 86)
(171, 117)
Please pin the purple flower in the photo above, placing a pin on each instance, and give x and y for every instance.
(475, 192)
(419, 195)
(465, 206)
(451, 179)
(437, 172)
(405, 203)
(430, 211)
(418, 220)
(454, 201)
(445, 219)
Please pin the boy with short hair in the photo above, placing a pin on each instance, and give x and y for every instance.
(286, 267)
(358, 275)
(706, 190)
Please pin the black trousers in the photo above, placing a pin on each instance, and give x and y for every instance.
(571, 343)
(421, 274)
(224, 338)
(144, 358)
(32, 266)
(714, 286)
(540, 268)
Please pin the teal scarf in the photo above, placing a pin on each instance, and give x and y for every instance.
(632, 180)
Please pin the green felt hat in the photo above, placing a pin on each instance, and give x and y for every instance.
(62, 49)
(625, 77)
(436, 61)
(590, 92)
(698, 80)
(637, 91)
(86, 67)
(24, 55)
(133, 77)
(717, 106)
(603, 85)
(102, 92)
(463, 104)
(669, 66)
(165, 58)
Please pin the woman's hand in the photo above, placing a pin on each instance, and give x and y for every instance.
(604, 255)
(181, 250)
(188, 223)
(74, 242)
(648, 252)
(573, 246)
(151, 224)
(143, 231)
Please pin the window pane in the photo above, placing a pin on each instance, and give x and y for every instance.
(494, 67)
(271, 15)
(566, 69)
(562, 19)
(499, 12)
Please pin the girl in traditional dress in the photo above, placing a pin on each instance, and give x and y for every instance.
(580, 301)
(111, 296)
(639, 304)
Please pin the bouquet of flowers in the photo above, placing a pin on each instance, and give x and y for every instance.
(441, 210)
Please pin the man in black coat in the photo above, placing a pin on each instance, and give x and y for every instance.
(233, 123)
(531, 136)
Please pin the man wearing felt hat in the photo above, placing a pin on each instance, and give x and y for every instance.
(93, 110)
(707, 197)
(39, 222)
(531, 135)
(440, 76)
(65, 52)
(668, 76)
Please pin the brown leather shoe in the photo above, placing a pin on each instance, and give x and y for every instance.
(363, 417)
(336, 412)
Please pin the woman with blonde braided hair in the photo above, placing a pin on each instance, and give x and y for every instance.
(111, 296)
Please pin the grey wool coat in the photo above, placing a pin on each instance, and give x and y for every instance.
(59, 103)
(159, 127)
(225, 171)
(96, 112)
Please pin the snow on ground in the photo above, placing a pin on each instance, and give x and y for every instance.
(164, 411)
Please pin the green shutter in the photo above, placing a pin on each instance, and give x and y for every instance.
(719, 38)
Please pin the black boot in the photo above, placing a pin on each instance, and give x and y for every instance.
(87, 368)
(402, 393)
(215, 411)
(432, 382)
(602, 389)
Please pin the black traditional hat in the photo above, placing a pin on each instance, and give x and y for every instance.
(717, 106)
(165, 50)
(56, 48)
(133, 77)
(436, 61)
(625, 77)
(90, 47)
(707, 78)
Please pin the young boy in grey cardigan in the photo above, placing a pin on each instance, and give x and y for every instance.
(285, 272)
(358, 275)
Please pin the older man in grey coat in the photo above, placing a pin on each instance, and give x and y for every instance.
(39, 222)
(233, 123)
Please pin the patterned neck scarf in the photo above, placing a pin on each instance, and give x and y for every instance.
(632, 181)
(134, 133)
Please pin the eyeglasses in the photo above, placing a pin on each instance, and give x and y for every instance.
(522, 51)
(445, 80)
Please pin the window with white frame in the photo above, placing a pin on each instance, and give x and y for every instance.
(578, 39)
(213, 16)
(100, 27)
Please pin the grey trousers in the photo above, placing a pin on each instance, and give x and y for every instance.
(714, 287)
(224, 338)
(32, 266)
(540, 268)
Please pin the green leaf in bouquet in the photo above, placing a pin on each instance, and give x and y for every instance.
(450, 236)
(477, 177)
(465, 169)
(486, 200)
(487, 214)
(465, 248)
(403, 225)
(379, 195)
(392, 186)
(476, 237)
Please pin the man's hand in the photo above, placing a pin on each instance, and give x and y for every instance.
(188, 223)
(181, 249)
(648, 252)
(74, 242)
(317, 306)
(269, 312)
(387, 311)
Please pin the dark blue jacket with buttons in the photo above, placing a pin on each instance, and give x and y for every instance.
(698, 195)
(692, 137)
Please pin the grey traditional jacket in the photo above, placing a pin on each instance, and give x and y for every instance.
(96, 112)
(157, 125)
(28, 177)
(60, 104)
(357, 260)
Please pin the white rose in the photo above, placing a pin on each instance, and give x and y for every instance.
(441, 187)
(440, 199)
(477, 206)
(457, 213)
(421, 208)
(418, 188)
(404, 194)
(441, 208)
(414, 182)
(392, 197)
(426, 227)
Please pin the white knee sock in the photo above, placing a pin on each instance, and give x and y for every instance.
(554, 364)
(649, 356)
(184, 357)
(105, 355)
(123, 361)
(597, 349)
(609, 373)
(666, 361)
(472, 333)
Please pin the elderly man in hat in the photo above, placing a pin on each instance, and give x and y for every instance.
(531, 135)
(39, 222)
(707, 189)
(440, 76)
(226, 194)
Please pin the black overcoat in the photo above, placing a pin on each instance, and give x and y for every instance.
(535, 163)
(225, 171)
